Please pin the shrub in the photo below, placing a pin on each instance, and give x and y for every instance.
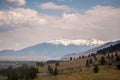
(96, 69)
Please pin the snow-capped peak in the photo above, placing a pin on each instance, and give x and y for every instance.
(77, 42)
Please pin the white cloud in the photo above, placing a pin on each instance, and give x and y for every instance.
(53, 6)
(30, 27)
(61, 0)
(17, 2)
(20, 17)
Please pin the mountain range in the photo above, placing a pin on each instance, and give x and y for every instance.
(53, 49)
(93, 50)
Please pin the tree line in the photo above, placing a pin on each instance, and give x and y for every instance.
(112, 48)
(24, 72)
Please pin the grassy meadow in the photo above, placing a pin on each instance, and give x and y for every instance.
(76, 70)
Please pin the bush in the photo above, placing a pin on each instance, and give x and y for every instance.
(22, 73)
(118, 66)
(102, 62)
(87, 63)
(96, 69)
(55, 71)
(57, 64)
(50, 69)
(70, 58)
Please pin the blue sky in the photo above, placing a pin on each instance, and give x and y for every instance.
(27, 22)
(77, 5)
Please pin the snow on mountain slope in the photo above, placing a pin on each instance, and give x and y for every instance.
(93, 50)
(77, 42)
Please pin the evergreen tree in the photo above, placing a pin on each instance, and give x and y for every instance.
(87, 63)
(40, 64)
(55, 71)
(102, 62)
(112, 56)
(112, 48)
(70, 58)
(110, 64)
(96, 69)
(118, 66)
(117, 58)
(51, 70)
(79, 57)
(116, 54)
(49, 67)
(108, 57)
(95, 57)
(57, 64)
(83, 56)
(21, 73)
(91, 61)
(89, 55)
(74, 58)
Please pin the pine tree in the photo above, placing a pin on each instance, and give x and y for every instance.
(57, 64)
(24, 72)
(83, 56)
(117, 58)
(96, 69)
(108, 57)
(79, 57)
(87, 63)
(55, 71)
(74, 58)
(116, 54)
(102, 62)
(95, 57)
(50, 69)
(112, 56)
(70, 58)
(118, 66)
(91, 61)
(89, 55)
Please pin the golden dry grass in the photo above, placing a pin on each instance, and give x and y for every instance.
(70, 70)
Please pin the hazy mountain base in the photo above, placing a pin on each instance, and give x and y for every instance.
(43, 51)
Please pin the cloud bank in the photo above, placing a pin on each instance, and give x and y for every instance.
(22, 27)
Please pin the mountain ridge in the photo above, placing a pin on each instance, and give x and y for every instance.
(93, 50)
(52, 49)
